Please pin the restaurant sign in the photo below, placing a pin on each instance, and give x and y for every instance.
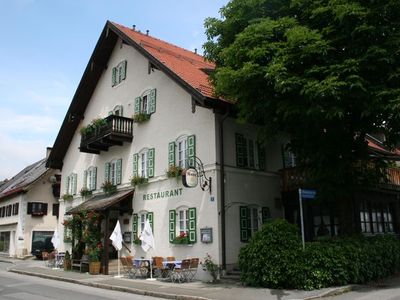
(163, 194)
(190, 178)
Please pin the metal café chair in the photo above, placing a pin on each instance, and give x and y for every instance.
(194, 264)
(181, 274)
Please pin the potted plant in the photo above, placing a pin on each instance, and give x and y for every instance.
(94, 260)
(140, 117)
(138, 180)
(67, 261)
(182, 239)
(67, 197)
(98, 123)
(174, 171)
(211, 268)
(85, 192)
(108, 187)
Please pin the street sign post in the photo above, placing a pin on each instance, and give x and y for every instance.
(304, 194)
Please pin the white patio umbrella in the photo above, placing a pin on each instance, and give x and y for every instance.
(147, 239)
(116, 238)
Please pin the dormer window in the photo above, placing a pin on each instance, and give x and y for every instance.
(119, 73)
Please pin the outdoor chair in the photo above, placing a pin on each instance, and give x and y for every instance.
(127, 267)
(170, 258)
(194, 264)
(81, 264)
(160, 270)
(181, 274)
(51, 259)
(139, 269)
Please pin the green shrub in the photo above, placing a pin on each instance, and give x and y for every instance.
(274, 258)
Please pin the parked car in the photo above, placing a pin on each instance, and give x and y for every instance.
(41, 241)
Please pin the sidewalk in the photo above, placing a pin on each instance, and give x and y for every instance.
(196, 290)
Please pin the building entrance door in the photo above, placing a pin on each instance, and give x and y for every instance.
(5, 242)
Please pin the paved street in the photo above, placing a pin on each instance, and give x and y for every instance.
(15, 286)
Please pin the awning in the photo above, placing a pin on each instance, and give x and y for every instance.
(101, 202)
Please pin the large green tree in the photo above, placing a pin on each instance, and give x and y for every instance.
(323, 72)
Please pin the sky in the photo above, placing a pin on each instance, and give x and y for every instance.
(45, 46)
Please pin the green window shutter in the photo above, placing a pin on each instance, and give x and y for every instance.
(191, 150)
(135, 226)
(265, 214)
(123, 70)
(152, 101)
(240, 155)
(150, 217)
(251, 153)
(135, 164)
(192, 225)
(138, 100)
(74, 183)
(261, 157)
(172, 225)
(171, 154)
(244, 229)
(107, 167)
(119, 171)
(114, 76)
(150, 163)
(94, 179)
(85, 179)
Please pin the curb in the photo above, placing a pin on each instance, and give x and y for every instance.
(112, 287)
(334, 292)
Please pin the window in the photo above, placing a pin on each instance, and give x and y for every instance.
(90, 178)
(56, 208)
(249, 154)
(3, 212)
(288, 157)
(143, 163)
(119, 73)
(113, 171)
(376, 217)
(325, 221)
(37, 208)
(139, 221)
(251, 219)
(15, 209)
(70, 184)
(182, 223)
(146, 104)
(182, 152)
(117, 111)
(9, 210)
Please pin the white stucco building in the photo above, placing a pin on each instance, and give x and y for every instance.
(29, 210)
(152, 109)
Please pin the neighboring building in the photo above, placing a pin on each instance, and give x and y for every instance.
(144, 108)
(28, 209)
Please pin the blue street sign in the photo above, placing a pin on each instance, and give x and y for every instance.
(308, 194)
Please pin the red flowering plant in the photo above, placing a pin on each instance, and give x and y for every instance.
(92, 234)
(182, 238)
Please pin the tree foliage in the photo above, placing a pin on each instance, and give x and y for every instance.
(324, 72)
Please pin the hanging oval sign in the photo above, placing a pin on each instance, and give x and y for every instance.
(190, 178)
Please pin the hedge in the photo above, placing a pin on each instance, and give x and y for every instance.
(274, 258)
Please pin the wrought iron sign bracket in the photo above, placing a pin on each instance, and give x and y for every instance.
(205, 182)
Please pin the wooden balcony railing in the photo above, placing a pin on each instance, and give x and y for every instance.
(294, 178)
(115, 131)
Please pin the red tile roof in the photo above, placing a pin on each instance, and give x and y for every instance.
(188, 65)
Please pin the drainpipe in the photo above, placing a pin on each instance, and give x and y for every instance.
(222, 186)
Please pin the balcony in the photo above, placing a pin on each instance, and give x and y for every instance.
(112, 131)
(294, 178)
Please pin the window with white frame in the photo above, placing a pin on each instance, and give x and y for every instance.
(90, 178)
(182, 225)
(251, 219)
(143, 163)
(182, 152)
(249, 153)
(119, 73)
(70, 184)
(113, 172)
(146, 103)
(117, 111)
(376, 217)
(288, 157)
(138, 222)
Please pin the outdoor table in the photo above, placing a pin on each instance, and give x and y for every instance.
(170, 265)
(59, 257)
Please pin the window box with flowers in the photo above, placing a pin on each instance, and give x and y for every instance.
(137, 241)
(85, 192)
(67, 197)
(138, 180)
(140, 117)
(174, 171)
(182, 239)
(109, 188)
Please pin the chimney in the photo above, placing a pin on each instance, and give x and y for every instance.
(147, 32)
(133, 27)
(195, 50)
(48, 150)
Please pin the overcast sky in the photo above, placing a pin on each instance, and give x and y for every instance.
(44, 48)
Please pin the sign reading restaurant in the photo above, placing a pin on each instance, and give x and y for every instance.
(163, 194)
